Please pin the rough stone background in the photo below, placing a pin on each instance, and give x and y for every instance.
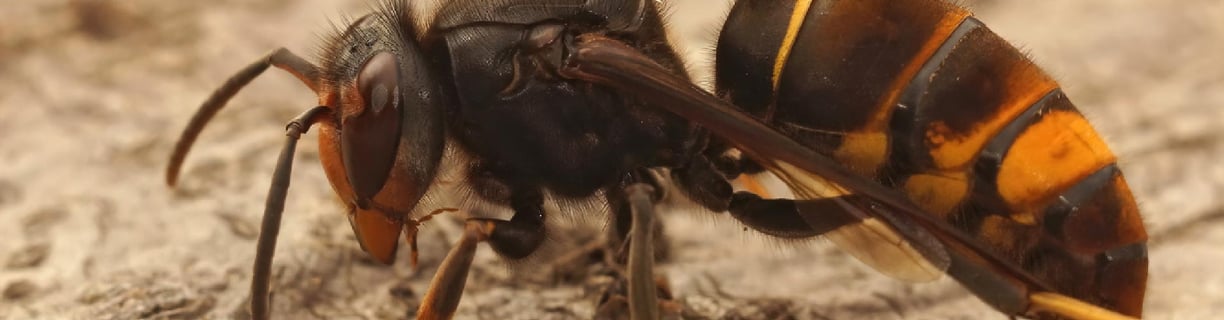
(93, 94)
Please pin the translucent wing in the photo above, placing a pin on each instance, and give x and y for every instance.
(893, 247)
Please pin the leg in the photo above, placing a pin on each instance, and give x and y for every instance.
(781, 218)
(643, 297)
(784, 218)
(870, 233)
(514, 239)
(634, 239)
(446, 288)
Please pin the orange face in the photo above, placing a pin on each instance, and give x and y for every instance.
(377, 231)
(378, 221)
(382, 144)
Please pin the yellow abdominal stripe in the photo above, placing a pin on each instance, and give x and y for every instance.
(792, 31)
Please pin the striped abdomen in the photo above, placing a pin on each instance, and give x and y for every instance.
(924, 98)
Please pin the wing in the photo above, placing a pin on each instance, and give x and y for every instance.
(878, 239)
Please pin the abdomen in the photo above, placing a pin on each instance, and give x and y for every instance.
(924, 98)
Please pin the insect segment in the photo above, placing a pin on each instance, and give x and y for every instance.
(860, 106)
(922, 97)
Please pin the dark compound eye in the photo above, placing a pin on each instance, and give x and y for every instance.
(370, 137)
(378, 82)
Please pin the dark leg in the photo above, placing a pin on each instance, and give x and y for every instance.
(615, 305)
(621, 225)
(633, 241)
(781, 218)
(850, 220)
(784, 218)
(523, 234)
(643, 297)
(514, 239)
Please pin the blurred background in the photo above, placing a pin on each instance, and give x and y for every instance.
(93, 94)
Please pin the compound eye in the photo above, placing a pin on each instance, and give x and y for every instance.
(370, 135)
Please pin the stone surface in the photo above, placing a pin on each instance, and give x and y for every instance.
(93, 94)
